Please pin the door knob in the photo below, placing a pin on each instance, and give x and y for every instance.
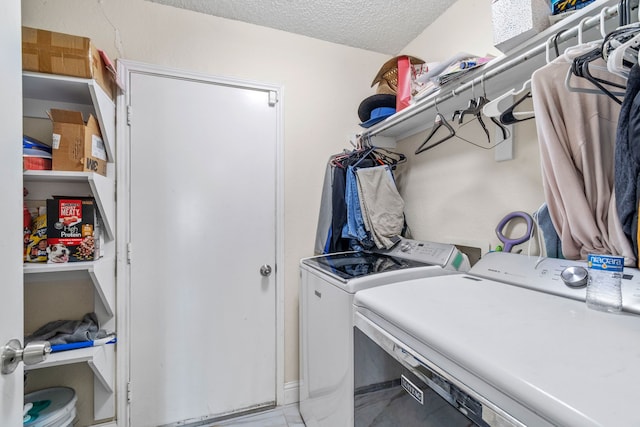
(265, 270)
(13, 353)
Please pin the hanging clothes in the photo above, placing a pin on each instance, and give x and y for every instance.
(382, 205)
(323, 231)
(354, 229)
(552, 245)
(350, 219)
(339, 211)
(627, 158)
(576, 131)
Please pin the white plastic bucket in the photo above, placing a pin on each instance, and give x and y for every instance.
(50, 407)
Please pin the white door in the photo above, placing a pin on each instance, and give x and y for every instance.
(11, 313)
(202, 224)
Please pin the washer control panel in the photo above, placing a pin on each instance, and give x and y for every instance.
(560, 277)
(422, 251)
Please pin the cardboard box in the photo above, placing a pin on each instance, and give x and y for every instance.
(58, 53)
(70, 229)
(562, 6)
(516, 21)
(77, 146)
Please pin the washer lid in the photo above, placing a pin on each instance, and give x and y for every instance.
(351, 265)
(50, 406)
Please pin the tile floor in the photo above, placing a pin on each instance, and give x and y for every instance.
(284, 416)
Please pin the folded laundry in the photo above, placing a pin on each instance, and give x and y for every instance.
(69, 331)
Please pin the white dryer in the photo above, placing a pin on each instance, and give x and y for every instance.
(327, 286)
(508, 344)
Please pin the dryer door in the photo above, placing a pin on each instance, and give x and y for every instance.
(421, 392)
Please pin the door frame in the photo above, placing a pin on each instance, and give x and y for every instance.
(12, 316)
(125, 69)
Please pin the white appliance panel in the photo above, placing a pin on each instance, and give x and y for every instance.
(543, 274)
(527, 352)
(326, 325)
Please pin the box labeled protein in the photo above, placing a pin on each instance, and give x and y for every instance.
(71, 224)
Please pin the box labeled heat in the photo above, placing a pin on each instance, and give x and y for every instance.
(71, 224)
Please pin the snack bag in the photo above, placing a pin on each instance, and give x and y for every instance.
(37, 246)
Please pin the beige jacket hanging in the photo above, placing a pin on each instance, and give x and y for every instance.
(577, 133)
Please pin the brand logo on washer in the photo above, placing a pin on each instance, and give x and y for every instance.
(412, 389)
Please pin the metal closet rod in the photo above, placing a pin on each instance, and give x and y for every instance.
(585, 24)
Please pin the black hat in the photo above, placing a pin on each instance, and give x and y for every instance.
(381, 104)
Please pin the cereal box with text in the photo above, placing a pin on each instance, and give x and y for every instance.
(70, 229)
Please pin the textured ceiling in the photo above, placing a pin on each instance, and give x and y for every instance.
(384, 26)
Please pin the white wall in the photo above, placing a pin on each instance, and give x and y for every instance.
(323, 86)
(457, 192)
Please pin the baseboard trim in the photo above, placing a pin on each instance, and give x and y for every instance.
(291, 392)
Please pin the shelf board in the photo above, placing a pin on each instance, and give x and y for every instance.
(41, 92)
(101, 360)
(101, 273)
(102, 188)
(456, 94)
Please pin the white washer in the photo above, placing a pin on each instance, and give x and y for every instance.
(505, 355)
(327, 285)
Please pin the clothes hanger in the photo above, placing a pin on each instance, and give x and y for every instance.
(581, 68)
(622, 57)
(475, 109)
(439, 122)
(617, 37)
(482, 101)
(471, 109)
(478, 105)
(390, 158)
(508, 116)
(622, 12)
(493, 108)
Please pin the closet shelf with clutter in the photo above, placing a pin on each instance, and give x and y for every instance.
(101, 360)
(498, 76)
(42, 91)
(102, 188)
(70, 197)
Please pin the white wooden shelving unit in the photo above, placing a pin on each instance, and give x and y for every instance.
(41, 92)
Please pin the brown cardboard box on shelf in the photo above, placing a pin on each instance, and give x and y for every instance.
(58, 53)
(77, 146)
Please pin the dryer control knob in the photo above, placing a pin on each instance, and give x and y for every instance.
(405, 247)
(575, 276)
